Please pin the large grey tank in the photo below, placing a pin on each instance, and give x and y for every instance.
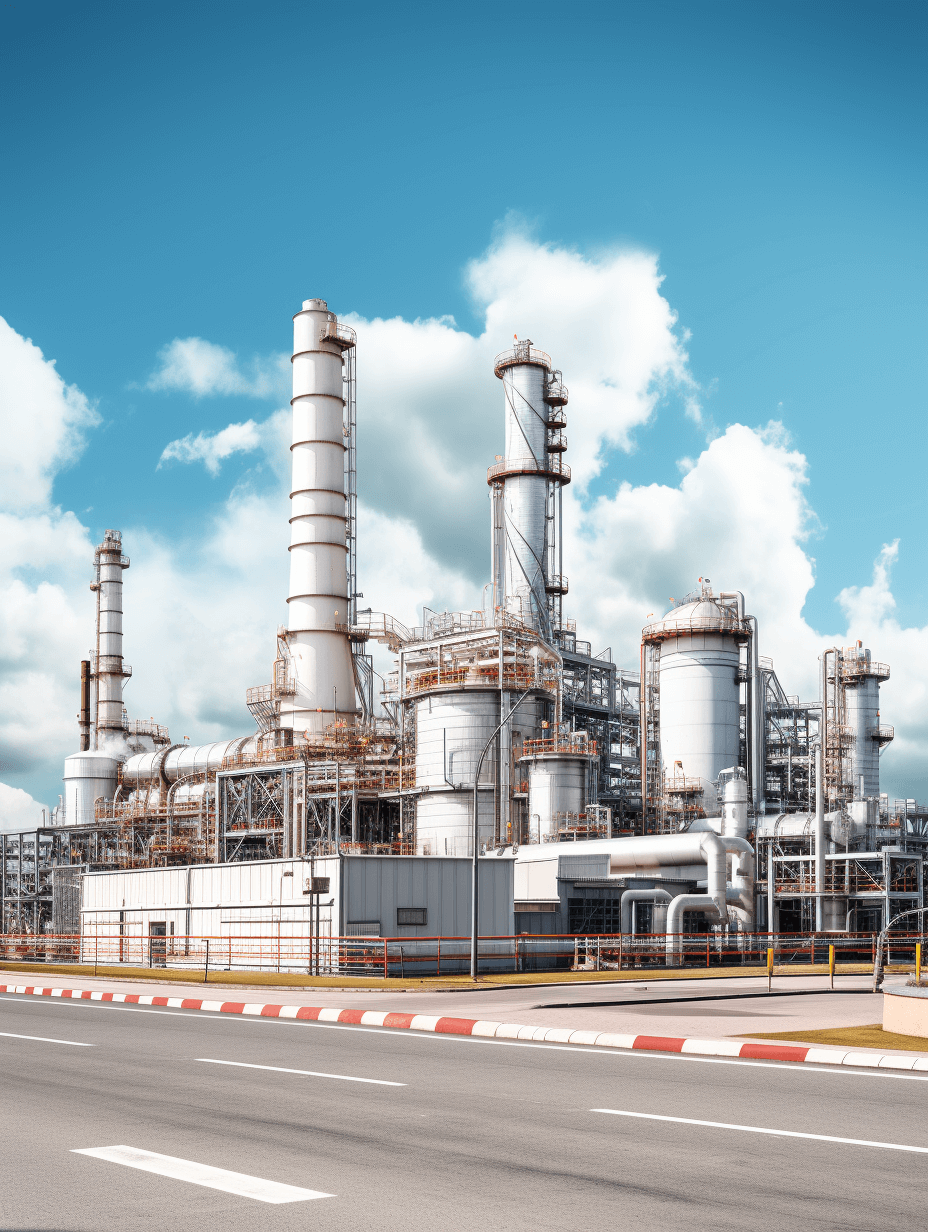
(862, 679)
(558, 782)
(451, 731)
(699, 690)
(88, 777)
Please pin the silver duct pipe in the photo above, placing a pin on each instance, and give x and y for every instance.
(819, 840)
(682, 903)
(640, 896)
(740, 892)
(758, 723)
(183, 761)
(646, 854)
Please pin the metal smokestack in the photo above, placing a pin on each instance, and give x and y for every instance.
(321, 523)
(110, 673)
(85, 705)
(527, 483)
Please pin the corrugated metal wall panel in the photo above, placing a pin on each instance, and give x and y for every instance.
(376, 886)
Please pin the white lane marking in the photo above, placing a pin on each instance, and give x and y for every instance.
(309, 1073)
(42, 1039)
(803, 1068)
(755, 1129)
(202, 1174)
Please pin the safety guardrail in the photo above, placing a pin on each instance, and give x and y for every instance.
(293, 947)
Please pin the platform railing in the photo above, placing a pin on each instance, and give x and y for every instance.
(292, 947)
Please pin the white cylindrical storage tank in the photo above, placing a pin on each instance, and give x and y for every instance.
(318, 602)
(451, 731)
(862, 679)
(87, 777)
(699, 692)
(557, 784)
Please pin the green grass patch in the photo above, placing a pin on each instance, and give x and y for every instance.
(446, 983)
(872, 1036)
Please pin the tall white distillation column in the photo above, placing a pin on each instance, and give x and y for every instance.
(109, 671)
(528, 481)
(320, 652)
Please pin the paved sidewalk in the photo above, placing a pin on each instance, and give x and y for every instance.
(678, 1008)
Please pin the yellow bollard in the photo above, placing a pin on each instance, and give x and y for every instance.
(831, 965)
(918, 962)
(769, 968)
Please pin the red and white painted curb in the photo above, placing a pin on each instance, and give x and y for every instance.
(755, 1051)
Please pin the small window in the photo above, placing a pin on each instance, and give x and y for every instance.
(412, 915)
(363, 928)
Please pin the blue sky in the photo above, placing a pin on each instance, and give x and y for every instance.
(175, 170)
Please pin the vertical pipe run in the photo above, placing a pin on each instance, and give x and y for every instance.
(474, 913)
(85, 705)
(819, 840)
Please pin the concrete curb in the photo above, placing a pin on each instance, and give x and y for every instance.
(869, 1059)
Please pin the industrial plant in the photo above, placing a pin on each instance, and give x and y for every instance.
(688, 794)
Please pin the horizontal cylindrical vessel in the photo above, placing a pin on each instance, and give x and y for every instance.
(169, 765)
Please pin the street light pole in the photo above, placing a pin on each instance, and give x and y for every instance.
(474, 874)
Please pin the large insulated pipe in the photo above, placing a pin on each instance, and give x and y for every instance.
(110, 671)
(640, 896)
(318, 602)
(181, 761)
(740, 893)
(734, 803)
(643, 854)
(714, 903)
(819, 841)
(683, 903)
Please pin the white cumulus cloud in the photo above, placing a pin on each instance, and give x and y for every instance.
(213, 448)
(200, 368)
(18, 810)
(44, 422)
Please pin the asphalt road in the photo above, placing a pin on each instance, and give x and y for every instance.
(481, 1134)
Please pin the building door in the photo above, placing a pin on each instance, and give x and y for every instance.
(157, 944)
